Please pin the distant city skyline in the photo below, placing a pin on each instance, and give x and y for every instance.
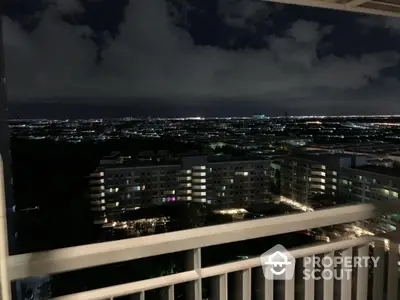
(164, 110)
(198, 117)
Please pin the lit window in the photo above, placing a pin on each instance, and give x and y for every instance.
(199, 174)
(199, 180)
(199, 167)
(242, 173)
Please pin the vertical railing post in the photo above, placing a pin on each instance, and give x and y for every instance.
(5, 140)
(5, 285)
(378, 276)
(138, 296)
(242, 285)
(346, 278)
(6, 192)
(392, 276)
(329, 282)
(193, 262)
(219, 287)
(264, 287)
(362, 274)
(290, 291)
(309, 283)
(168, 293)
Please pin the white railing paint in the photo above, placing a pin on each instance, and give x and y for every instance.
(220, 272)
(5, 288)
(80, 257)
(75, 258)
(192, 241)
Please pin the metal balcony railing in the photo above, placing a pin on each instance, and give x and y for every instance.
(385, 280)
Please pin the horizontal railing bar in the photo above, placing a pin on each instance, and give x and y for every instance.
(133, 287)
(80, 257)
(230, 267)
(165, 281)
(313, 249)
(329, 247)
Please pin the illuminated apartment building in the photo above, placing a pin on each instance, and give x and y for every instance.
(373, 183)
(123, 186)
(370, 182)
(307, 175)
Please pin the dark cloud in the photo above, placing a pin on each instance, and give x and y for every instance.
(392, 24)
(243, 13)
(152, 57)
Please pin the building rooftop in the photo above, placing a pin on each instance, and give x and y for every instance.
(177, 161)
(392, 172)
(319, 156)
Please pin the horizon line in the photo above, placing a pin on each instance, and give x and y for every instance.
(256, 116)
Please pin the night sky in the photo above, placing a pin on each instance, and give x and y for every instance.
(197, 57)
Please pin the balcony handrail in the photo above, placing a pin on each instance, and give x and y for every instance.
(182, 277)
(5, 290)
(86, 256)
